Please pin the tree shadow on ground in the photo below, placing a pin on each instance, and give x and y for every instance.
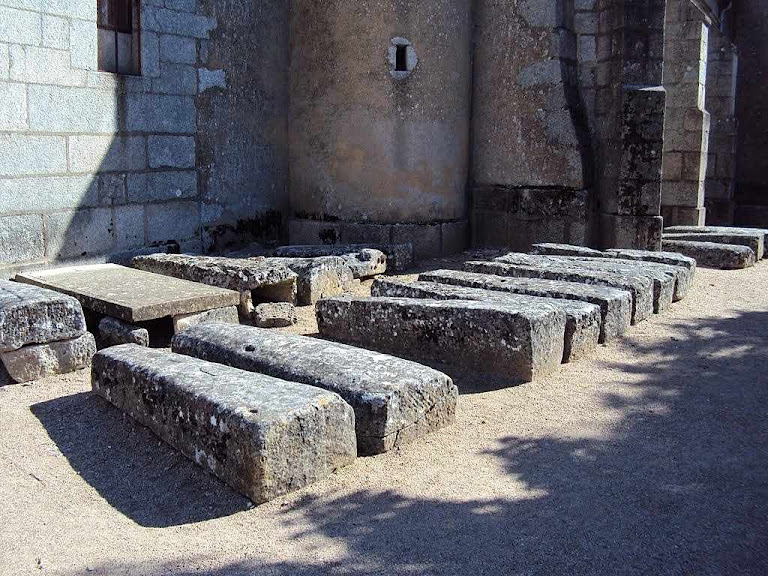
(133, 470)
(677, 485)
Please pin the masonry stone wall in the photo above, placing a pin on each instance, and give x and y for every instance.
(686, 123)
(95, 164)
(750, 24)
(629, 120)
(532, 164)
(722, 67)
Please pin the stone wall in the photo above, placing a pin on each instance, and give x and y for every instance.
(375, 151)
(532, 164)
(722, 66)
(750, 25)
(628, 122)
(686, 122)
(93, 163)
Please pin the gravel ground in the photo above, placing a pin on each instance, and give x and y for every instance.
(648, 458)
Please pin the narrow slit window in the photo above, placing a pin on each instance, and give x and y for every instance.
(119, 42)
(401, 58)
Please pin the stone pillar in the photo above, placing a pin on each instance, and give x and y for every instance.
(531, 154)
(379, 122)
(722, 68)
(629, 122)
(686, 124)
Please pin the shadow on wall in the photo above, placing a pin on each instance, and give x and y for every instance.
(680, 486)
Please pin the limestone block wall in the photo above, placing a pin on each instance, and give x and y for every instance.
(531, 151)
(722, 66)
(94, 164)
(750, 26)
(379, 121)
(628, 122)
(687, 123)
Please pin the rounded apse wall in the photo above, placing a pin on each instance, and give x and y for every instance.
(380, 110)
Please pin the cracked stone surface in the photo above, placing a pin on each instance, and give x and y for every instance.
(33, 315)
(519, 342)
(615, 305)
(261, 435)
(395, 400)
(582, 320)
(641, 289)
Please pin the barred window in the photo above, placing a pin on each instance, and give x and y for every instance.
(119, 42)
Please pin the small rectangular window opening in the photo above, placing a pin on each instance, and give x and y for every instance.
(119, 42)
(401, 58)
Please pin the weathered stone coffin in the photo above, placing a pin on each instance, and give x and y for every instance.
(268, 280)
(667, 279)
(131, 295)
(38, 361)
(713, 255)
(720, 230)
(399, 256)
(615, 305)
(318, 278)
(670, 258)
(553, 249)
(262, 436)
(395, 400)
(582, 320)
(755, 240)
(663, 285)
(641, 289)
(32, 315)
(518, 342)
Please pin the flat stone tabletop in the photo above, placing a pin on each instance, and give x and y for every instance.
(131, 295)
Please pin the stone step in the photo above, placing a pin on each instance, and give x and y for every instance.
(32, 315)
(754, 240)
(663, 285)
(582, 320)
(640, 289)
(615, 305)
(38, 361)
(680, 277)
(318, 278)
(520, 343)
(712, 254)
(399, 256)
(261, 435)
(395, 400)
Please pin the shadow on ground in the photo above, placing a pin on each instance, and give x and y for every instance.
(678, 486)
(134, 471)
